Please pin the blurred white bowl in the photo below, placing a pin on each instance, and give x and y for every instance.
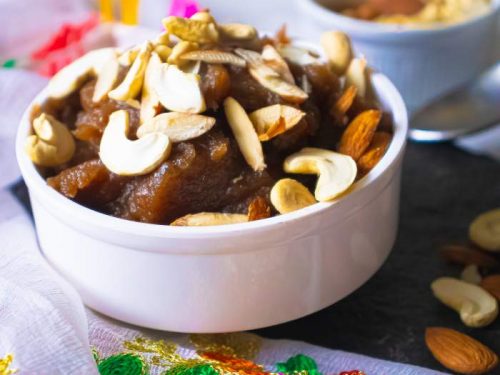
(224, 278)
(422, 63)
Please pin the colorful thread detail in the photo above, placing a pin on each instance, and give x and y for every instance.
(5, 363)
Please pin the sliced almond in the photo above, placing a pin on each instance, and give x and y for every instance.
(179, 49)
(458, 352)
(269, 78)
(273, 59)
(471, 275)
(52, 144)
(336, 172)
(214, 57)
(297, 55)
(204, 219)
(245, 134)
(275, 119)
(179, 91)
(192, 30)
(343, 103)
(163, 52)
(106, 79)
(485, 230)
(237, 31)
(492, 285)
(338, 50)
(69, 78)
(131, 158)
(162, 39)
(177, 126)
(477, 308)
(128, 56)
(466, 255)
(288, 195)
(358, 75)
(150, 101)
(131, 85)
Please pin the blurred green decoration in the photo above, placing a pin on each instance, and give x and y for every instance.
(299, 364)
(192, 370)
(11, 63)
(122, 364)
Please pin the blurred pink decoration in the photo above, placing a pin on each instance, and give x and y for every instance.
(183, 8)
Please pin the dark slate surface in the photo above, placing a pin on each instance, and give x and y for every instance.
(443, 190)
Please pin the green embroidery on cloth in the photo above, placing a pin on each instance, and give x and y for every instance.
(122, 364)
(299, 363)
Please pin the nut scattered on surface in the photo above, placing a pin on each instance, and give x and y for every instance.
(485, 230)
(477, 308)
(492, 285)
(359, 133)
(237, 31)
(337, 48)
(269, 78)
(131, 85)
(358, 75)
(459, 352)
(375, 151)
(245, 134)
(465, 255)
(69, 78)
(288, 195)
(471, 275)
(179, 91)
(297, 55)
(204, 219)
(106, 79)
(273, 59)
(258, 209)
(275, 119)
(150, 101)
(214, 57)
(336, 171)
(131, 158)
(177, 126)
(191, 30)
(52, 144)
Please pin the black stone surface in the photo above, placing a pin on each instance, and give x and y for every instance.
(443, 190)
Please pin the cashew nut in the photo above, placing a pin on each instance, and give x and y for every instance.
(337, 48)
(358, 75)
(203, 16)
(106, 79)
(53, 143)
(245, 134)
(477, 308)
(132, 83)
(237, 31)
(289, 195)
(69, 78)
(131, 158)
(275, 119)
(179, 91)
(336, 171)
(485, 230)
(150, 102)
(191, 30)
(177, 126)
(203, 219)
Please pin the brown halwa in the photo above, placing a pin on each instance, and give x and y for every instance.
(223, 121)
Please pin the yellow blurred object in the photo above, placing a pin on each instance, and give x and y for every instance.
(129, 10)
(106, 10)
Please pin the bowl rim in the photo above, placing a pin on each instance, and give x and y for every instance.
(59, 203)
(376, 29)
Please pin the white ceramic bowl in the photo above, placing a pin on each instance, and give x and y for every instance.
(422, 63)
(223, 278)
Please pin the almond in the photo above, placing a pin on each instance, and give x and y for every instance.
(342, 105)
(359, 133)
(466, 255)
(459, 352)
(374, 152)
(492, 285)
